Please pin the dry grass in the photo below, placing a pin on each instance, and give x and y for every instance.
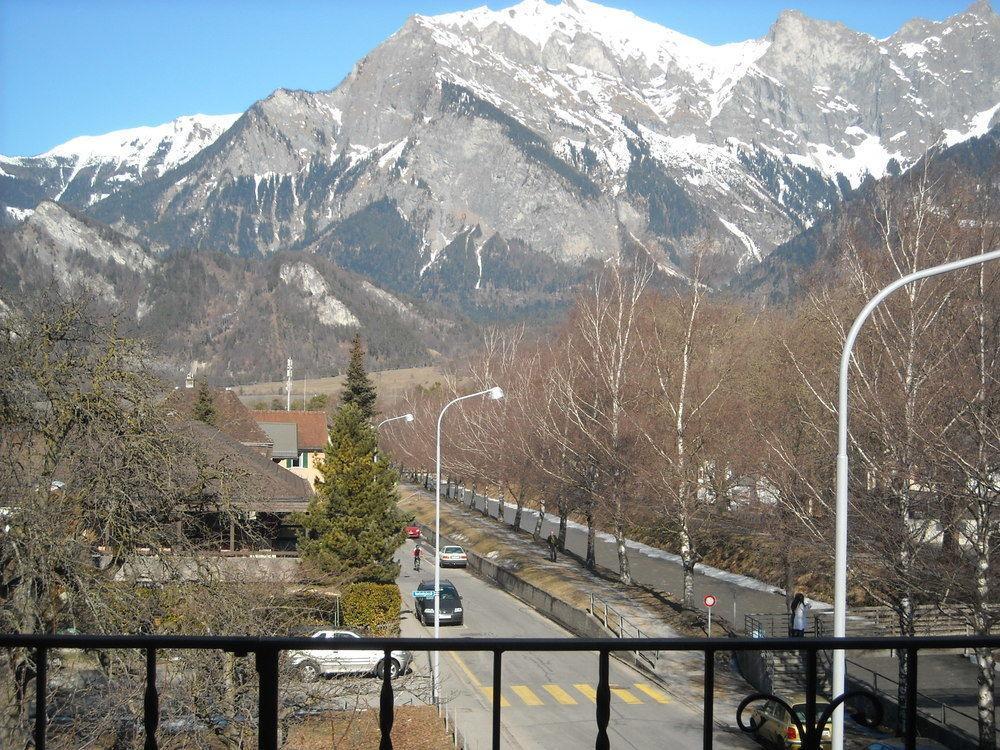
(414, 728)
(390, 383)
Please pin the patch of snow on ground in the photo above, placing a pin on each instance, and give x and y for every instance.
(18, 214)
(870, 157)
(913, 49)
(979, 125)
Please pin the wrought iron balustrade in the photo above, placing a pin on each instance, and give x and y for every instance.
(267, 651)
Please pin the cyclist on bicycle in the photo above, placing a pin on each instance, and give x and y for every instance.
(416, 557)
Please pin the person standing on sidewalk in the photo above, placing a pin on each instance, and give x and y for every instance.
(553, 543)
(799, 616)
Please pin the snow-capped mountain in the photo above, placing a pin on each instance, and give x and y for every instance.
(485, 157)
(88, 168)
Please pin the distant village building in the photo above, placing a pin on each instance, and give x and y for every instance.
(298, 439)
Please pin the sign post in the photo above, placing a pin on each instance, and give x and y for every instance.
(710, 602)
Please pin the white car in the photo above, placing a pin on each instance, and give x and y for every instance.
(453, 556)
(312, 663)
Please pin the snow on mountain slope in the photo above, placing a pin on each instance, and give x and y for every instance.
(86, 169)
(627, 35)
(473, 152)
(153, 149)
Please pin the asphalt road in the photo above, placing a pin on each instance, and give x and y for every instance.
(547, 698)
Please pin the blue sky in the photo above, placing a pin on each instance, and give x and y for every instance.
(75, 67)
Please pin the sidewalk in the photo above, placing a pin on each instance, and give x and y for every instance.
(681, 674)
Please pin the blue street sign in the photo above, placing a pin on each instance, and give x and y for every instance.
(423, 594)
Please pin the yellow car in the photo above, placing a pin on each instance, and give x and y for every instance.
(775, 727)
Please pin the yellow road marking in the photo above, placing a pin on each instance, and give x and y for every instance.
(588, 692)
(652, 692)
(525, 693)
(625, 695)
(560, 695)
(504, 703)
(465, 667)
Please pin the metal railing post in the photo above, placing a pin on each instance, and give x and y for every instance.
(267, 698)
(385, 703)
(41, 678)
(497, 684)
(911, 698)
(150, 702)
(709, 717)
(813, 742)
(603, 699)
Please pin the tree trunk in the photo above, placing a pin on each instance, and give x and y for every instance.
(537, 533)
(624, 573)
(518, 510)
(563, 519)
(591, 531)
(687, 564)
(905, 629)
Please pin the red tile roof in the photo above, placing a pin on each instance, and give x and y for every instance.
(231, 416)
(311, 425)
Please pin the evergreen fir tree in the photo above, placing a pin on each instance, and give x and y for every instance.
(358, 388)
(204, 406)
(353, 527)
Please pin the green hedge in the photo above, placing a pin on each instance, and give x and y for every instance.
(372, 608)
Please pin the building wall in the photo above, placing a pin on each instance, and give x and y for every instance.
(308, 467)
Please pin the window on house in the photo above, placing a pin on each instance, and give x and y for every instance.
(305, 459)
(291, 463)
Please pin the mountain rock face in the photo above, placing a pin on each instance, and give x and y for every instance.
(964, 177)
(488, 160)
(235, 318)
(87, 169)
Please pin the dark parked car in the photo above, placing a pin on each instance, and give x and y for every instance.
(451, 604)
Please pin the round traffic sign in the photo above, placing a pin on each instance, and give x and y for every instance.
(710, 600)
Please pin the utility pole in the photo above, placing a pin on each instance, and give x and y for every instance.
(288, 385)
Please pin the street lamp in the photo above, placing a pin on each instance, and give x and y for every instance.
(495, 393)
(407, 417)
(840, 565)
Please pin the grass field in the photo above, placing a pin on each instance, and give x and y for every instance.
(390, 384)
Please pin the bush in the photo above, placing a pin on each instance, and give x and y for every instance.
(372, 608)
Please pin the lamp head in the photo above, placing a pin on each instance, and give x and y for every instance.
(496, 393)
(408, 417)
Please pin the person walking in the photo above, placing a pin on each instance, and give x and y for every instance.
(553, 544)
(799, 616)
(416, 557)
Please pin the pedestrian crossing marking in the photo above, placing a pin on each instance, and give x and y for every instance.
(625, 695)
(560, 695)
(504, 703)
(652, 692)
(588, 692)
(526, 694)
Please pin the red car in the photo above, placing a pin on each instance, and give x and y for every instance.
(413, 531)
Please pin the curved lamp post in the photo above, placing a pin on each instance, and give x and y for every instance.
(840, 566)
(407, 417)
(495, 393)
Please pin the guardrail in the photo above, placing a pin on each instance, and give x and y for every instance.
(612, 617)
(267, 654)
(932, 716)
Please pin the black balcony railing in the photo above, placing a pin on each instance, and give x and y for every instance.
(268, 650)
